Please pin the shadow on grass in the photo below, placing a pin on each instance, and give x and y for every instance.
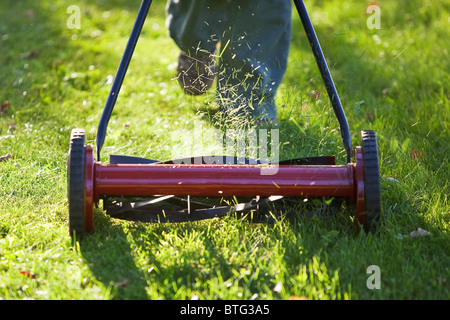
(209, 267)
(109, 256)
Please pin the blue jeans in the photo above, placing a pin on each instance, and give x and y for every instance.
(254, 37)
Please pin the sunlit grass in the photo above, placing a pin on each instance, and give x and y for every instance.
(393, 80)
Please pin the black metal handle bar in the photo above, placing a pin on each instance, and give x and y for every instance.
(326, 76)
(120, 74)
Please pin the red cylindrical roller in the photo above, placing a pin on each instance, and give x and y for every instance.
(222, 180)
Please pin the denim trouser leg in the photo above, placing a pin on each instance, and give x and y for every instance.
(254, 41)
(195, 24)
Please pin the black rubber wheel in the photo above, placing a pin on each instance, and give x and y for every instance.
(75, 182)
(372, 189)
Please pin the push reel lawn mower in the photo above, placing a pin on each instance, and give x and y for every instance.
(136, 189)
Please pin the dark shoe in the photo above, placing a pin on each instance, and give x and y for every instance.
(196, 72)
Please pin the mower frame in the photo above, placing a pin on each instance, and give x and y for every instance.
(90, 180)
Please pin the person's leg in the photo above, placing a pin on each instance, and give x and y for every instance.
(253, 60)
(195, 26)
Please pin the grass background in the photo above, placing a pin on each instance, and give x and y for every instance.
(393, 80)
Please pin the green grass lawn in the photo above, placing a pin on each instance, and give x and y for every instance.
(393, 80)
